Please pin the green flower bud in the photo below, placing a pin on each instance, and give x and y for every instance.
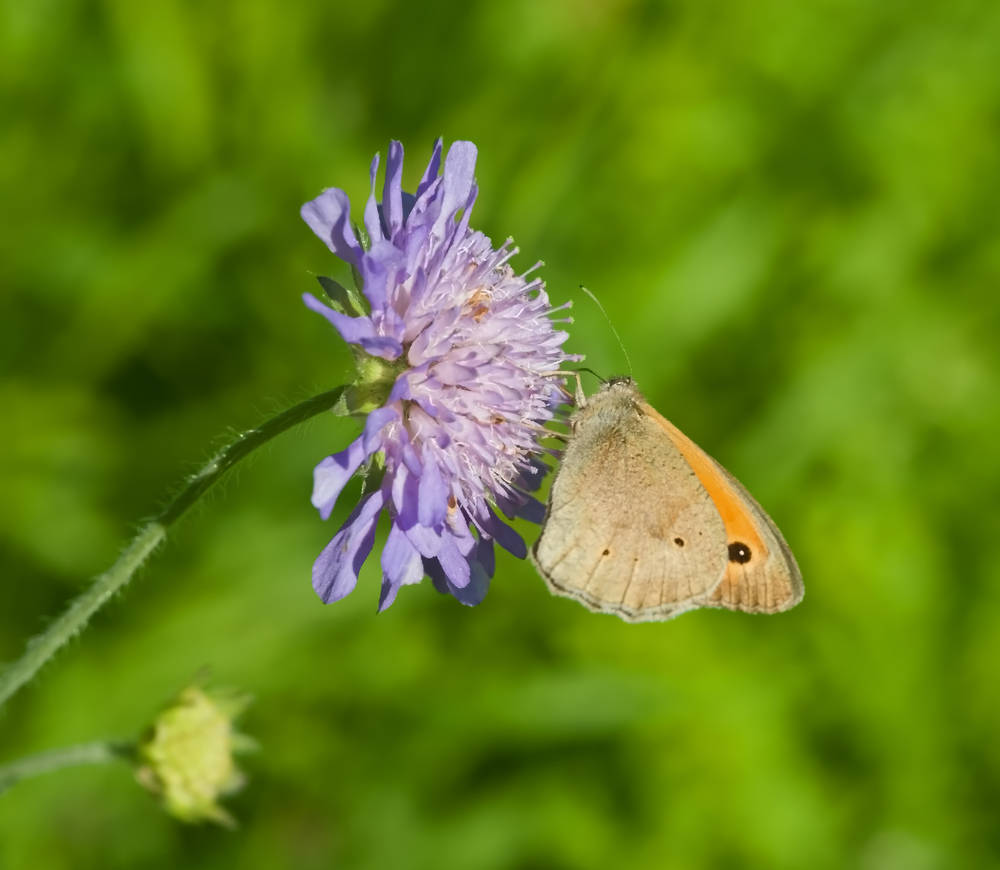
(376, 378)
(187, 757)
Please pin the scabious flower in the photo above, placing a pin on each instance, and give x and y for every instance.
(457, 358)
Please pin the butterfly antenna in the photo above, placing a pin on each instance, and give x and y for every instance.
(621, 344)
(591, 371)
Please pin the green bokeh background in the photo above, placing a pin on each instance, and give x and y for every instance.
(790, 211)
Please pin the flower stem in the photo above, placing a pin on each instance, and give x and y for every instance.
(77, 615)
(100, 752)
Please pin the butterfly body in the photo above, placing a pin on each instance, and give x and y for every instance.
(645, 525)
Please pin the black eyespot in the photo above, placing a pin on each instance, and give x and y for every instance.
(679, 542)
(739, 553)
(606, 552)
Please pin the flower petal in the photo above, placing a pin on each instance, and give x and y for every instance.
(433, 167)
(357, 330)
(520, 504)
(352, 329)
(427, 541)
(382, 346)
(329, 216)
(532, 510)
(485, 555)
(392, 191)
(463, 224)
(401, 565)
(533, 476)
(408, 200)
(400, 560)
(332, 474)
(459, 175)
(481, 568)
(376, 422)
(453, 562)
(506, 537)
(335, 572)
(381, 270)
(387, 594)
(375, 277)
(405, 487)
(410, 458)
(475, 590)
(373, 222)
(402, 389)
(433, 569)
(432, 494)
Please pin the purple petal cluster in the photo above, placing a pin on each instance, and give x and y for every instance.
(459, 428)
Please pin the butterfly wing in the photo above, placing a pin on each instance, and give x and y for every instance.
(762, 575)
(630, 528)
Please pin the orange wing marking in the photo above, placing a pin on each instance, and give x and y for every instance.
(740, 525)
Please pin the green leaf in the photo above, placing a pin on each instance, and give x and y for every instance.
(362, 236)
(344, 300)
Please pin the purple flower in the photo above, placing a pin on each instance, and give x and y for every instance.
(456, 365)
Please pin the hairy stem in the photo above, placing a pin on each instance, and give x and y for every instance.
(77, 615)
(100, 752)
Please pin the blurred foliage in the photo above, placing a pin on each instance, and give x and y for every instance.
(789, 210)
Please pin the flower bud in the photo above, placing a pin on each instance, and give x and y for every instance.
(187, 757)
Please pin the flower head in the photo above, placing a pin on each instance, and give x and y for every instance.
(456, 357)
(187, 758)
